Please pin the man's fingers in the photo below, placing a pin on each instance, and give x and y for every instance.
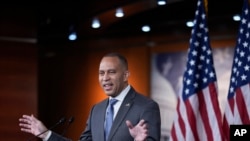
(145, 126)
(24, 125)
(27, 117)
(24, 120)
(142, 122)
(28, 130)
(25, 130)
(129, 124)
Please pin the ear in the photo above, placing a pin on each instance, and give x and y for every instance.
(126, 75)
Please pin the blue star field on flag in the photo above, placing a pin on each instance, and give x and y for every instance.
(241, 63)
(200, 70)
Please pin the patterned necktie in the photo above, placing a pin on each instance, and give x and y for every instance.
(109, 117)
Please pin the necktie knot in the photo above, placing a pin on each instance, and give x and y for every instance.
(112, 101)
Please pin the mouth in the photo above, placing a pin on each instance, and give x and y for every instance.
(107, 87)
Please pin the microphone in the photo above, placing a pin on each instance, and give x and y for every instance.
(61, 121)
(71, 119)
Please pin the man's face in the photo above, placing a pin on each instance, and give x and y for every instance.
(112, 76)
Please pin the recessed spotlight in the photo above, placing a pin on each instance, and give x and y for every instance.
(145, 28)
(161, 2)
(236, 17)
(119, 12)
(72, 36)
(189, 23)
(96, 23)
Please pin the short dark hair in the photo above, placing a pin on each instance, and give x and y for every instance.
(120, 57)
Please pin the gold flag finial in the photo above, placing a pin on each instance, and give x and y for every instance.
(205, 5)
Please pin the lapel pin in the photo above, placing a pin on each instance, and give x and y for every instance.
(128, 104)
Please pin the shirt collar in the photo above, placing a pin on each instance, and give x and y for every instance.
(123, 93)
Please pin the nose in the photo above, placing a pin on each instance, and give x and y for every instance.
(106, 77)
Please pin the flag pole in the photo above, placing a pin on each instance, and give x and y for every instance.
(205, 5)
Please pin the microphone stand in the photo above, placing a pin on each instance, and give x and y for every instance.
(71, 119)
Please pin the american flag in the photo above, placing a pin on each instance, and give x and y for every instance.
(198, 115)
(237, 109)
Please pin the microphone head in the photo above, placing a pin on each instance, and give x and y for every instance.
(62, 120)
(71, 119)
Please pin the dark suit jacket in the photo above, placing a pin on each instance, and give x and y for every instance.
(134, 108)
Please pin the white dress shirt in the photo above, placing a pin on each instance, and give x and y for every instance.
(120, 99)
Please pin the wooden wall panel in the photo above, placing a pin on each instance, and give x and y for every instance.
(18, 87)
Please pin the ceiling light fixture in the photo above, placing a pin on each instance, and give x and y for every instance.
(145, 28)
(189, 23)
(72, 36)
(96, 23)
(161, 2)
(72, 33)
(236, 17)
(119, 13)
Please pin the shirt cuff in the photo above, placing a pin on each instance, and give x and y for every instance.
(48, 135)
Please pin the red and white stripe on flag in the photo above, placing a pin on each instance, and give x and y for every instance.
(198, 115)
(237, 110)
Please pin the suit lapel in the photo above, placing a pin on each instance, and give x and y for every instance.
(100, 123)
(124, 108)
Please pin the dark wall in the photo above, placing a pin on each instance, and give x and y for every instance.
(18, 87)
